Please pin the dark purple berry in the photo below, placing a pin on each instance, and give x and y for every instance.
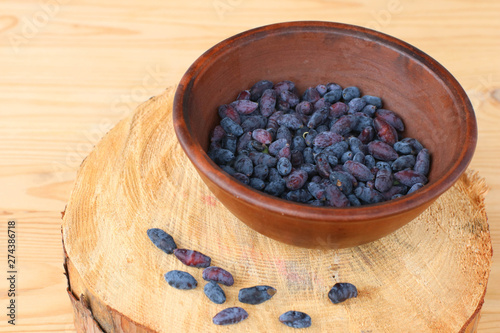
(404, 148)
(277, 145)
(417, 146)
(369, 110)
(244, 106)
(256, 295)
(272, 121)
(295, 319)
(341, 292)
(244, 165)
(415, 187)
(347, 156)
(316, 203)
(284, 166)
(342, 181)
(368, 195)
(305, 108)
(229, 111)
(290, 98)
(214, 293)
(309, 137)
(373, 100)
(245, 94)
(274, 175)
(358, 170)
(229, 142)
(310, 169)
(275, 188)
(258, 89)
(223, 156)
(385, 131)
(322, 89)
(285, 152)
(367, 134)
(257, 183)
(267, 102)
(383, 180)
(243, 142)
(359, 157)
(290, 121)
(252, 123)
(353, 200)
(383, 165)
(334, 197)
(369, 161)
(297, 158)
(284, 133)
(317, 190)
(219, 275)
(403, 162)
(217, 134)
(296, 179)
(242, 178)
(344, 124)
(356, 146)
(298, 143)
(192, 258)
(395, 190)
(284, 86)
(333, 86)
(333, 96)
(228, 169)
(320, 104)
(162, 240)
(230, 316)
(261, 158)
(338, 149)
(382, 151)
(350, 92)
(423, 161)
(322, 165)
(391, 118)
(410, 177)
(301, 195)
(356, 105)
(262, 136)
(311, 95)
(261, 171)
(318, 117)
(231, 127)
(338, 109)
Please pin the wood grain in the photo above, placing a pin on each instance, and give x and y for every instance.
(75, 75)
(430, 275)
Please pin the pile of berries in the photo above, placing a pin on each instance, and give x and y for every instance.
(330, 146)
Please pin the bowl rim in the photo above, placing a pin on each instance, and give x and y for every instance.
(308, 213)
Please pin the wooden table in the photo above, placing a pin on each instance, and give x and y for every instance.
(70, 70)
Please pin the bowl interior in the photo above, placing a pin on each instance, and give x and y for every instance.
(433, 106)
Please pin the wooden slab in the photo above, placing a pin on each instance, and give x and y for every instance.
(429, 276)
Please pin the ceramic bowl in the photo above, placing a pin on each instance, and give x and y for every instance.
(432, 104)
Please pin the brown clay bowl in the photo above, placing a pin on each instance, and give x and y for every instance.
(433, 105)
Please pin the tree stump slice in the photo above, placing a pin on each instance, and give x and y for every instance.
(429, 276)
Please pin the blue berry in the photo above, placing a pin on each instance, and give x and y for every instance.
(162, 240)
(350, 92)
(214, 293)
(181, 280)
